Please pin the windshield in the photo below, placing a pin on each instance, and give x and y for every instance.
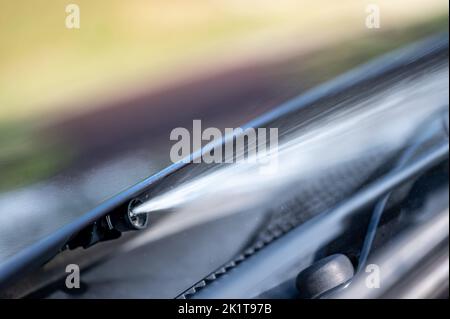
(87, 110)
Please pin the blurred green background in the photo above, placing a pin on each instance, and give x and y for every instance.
(43, 64)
